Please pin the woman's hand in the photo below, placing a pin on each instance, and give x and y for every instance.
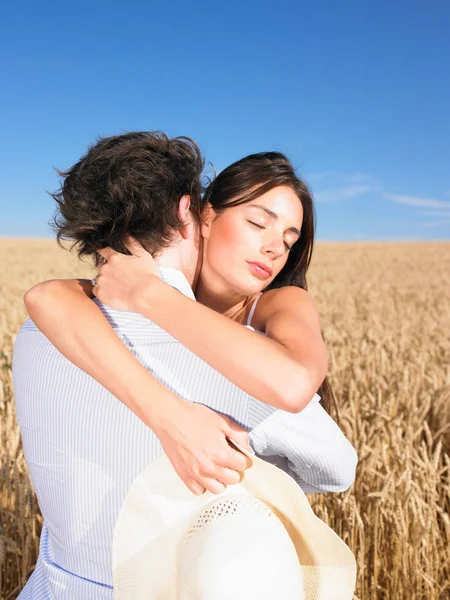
(122, 279)
(194, 438)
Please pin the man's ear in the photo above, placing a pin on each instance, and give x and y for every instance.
(184, 214)
(206, 219)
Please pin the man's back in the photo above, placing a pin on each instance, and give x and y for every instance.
(84, 448)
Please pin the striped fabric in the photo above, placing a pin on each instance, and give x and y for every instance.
(84, 448)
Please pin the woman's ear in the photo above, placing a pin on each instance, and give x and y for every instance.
(206, 219)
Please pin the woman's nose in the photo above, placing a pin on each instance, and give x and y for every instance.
(274, 247)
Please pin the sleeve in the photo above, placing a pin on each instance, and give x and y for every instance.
(309, 446)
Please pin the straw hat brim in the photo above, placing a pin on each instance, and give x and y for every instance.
(159, 507)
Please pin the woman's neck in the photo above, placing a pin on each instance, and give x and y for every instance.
(234, 306)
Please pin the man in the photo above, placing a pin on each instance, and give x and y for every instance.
(83, 447)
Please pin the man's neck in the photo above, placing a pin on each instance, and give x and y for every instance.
(170, 258)
(173, 270)
(176, 278)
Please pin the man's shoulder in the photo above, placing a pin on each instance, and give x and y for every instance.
(28, 326)
(130, 327)
(133, 326)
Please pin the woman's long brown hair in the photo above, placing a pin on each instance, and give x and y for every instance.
(246, 180)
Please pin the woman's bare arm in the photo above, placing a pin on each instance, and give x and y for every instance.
(285, 368)
(75, 325)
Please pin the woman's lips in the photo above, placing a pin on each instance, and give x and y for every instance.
(258, 271)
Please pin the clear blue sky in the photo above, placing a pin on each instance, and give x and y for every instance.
(356, 93)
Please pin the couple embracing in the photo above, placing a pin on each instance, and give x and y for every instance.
(192, 365)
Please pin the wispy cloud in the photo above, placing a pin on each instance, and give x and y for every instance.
(359, 178)
(323, 175)
(416, 201)
(434, 213)
(342, 193)
(436, 223)
(345, 186)
(423, 213)
(340, 176)
(333, 186)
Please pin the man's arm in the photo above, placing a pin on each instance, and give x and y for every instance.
(311, 448)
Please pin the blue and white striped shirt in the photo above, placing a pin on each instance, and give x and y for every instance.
(84, 448)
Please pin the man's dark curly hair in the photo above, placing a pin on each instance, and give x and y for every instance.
(128, 184)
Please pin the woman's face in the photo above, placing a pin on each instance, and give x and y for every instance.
(246, 246)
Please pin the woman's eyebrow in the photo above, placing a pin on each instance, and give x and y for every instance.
(274, 216)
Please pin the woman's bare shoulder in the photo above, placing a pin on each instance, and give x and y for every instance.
(290, 299)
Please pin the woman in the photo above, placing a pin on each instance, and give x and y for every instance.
(257, 229)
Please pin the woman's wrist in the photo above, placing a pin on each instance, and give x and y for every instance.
(152, 294)
(151, 401)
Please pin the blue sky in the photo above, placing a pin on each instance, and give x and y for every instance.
(356, 93)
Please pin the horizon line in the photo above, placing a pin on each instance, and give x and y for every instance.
(317, 241)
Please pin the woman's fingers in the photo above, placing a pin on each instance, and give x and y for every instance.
(215, 486)
(194, 439)
(195, 487)
(236, 434)
(229, 476)
(217, 477)
(235, 460)
(134, 247)
(212, 485)
(106, 253)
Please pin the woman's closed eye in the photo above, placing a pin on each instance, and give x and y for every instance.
(261, 227)
(256, 225)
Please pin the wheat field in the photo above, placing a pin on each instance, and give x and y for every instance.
(385, 312)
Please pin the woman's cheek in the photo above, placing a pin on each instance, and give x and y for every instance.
(230, 239)
(219, 253)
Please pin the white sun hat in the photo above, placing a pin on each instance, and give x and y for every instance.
(258, 539)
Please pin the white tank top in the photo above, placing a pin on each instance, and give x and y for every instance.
(252, 312)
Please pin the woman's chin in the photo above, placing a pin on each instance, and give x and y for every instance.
(249, 286)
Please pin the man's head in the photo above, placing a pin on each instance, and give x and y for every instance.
(141, 184)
